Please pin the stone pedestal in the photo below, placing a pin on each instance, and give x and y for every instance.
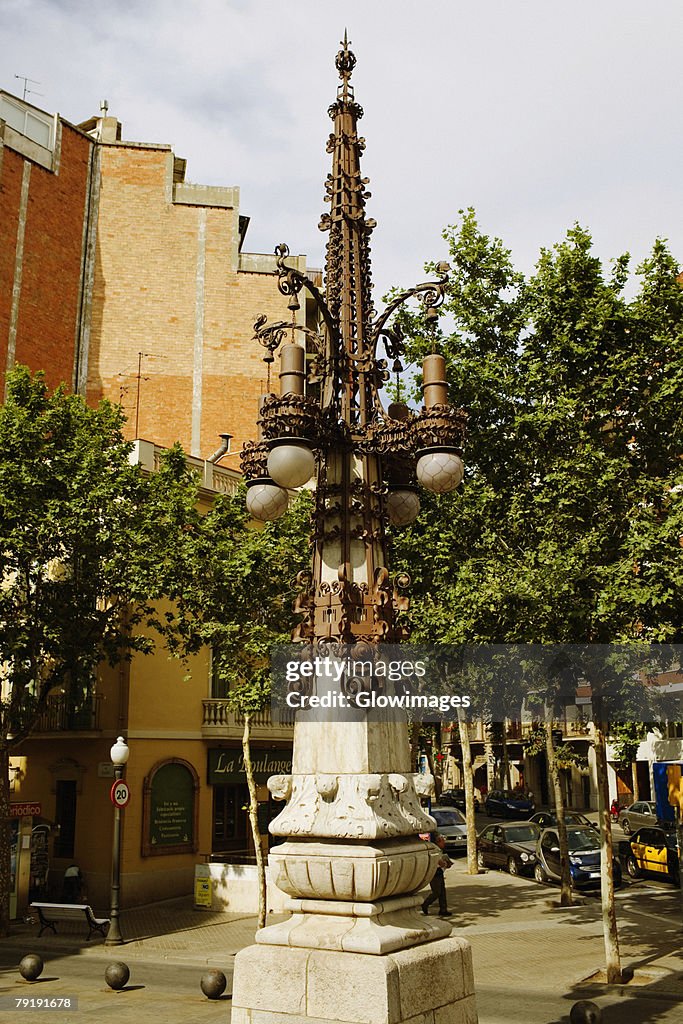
(356, 949)
(427, 984)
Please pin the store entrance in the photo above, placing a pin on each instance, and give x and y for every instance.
(230, 820)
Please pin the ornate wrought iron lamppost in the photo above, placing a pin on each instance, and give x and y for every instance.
(356, 947)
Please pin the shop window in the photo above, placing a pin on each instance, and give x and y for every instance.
(65, 815)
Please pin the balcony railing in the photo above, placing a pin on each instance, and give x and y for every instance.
(218, 718)
(60, 715)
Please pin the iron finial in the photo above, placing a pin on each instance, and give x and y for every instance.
(346, 60)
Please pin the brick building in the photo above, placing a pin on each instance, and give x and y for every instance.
(46, 170)
(124, 280)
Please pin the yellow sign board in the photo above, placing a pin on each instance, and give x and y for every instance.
(202, 886)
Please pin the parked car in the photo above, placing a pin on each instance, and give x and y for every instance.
(548, 819)
(651, 850)
(453, 798)
(452, 826)
(510, 845)
(584, 857)
(506, 803)
(642, 812)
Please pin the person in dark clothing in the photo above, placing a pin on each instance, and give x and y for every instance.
(73, 882)
(438, 882)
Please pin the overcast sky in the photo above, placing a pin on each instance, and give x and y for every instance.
(537, 113)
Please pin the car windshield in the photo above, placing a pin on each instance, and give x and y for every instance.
(575, 819)
(579, 840)
(509, 794)
(449, 817)
(522, 834)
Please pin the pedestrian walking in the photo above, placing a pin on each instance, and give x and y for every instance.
(438, 882)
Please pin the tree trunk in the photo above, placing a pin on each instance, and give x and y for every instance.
(490, 760)
(634, 778)
(553, 771)
(432, 766)
(5, 840)
(468, 784)
(253, 821)
(414, 735)
(609, 914)
(506, 756)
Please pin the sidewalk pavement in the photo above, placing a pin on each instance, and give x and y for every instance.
(531, 959)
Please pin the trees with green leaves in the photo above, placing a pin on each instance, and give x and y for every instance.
(233, 589)
(86, 541)
(568, 528)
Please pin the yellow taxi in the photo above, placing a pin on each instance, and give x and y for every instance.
(652, 850)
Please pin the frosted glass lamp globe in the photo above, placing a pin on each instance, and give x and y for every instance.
(291, 463)
(265, 500)
(439, 469)
(403, 506)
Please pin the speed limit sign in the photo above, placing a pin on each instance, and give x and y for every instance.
(120, 794)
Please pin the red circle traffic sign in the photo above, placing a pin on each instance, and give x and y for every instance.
(120, 794)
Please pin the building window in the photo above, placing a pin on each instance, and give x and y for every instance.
(220, 688)
(35, 124)
(65, 815)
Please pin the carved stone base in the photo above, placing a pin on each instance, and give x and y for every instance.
(359, 872)
(429, 984)
(375, 928)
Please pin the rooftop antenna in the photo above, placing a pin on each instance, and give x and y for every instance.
(25, 80)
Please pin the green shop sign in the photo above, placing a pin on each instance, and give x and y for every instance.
(170, 809)
(226, 764)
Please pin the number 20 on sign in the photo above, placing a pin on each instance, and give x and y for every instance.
(120, 794)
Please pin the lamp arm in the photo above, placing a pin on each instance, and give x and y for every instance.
(291, 281)
(432, 295)
(272, 336)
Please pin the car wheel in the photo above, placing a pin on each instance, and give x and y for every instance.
(481, 863)
(632, 867)
(539, 873)
(513, 866)
(625, 827)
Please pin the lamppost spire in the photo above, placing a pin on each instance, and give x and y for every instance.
(348, 280)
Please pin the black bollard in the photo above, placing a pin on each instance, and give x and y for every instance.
(31, 967)
(585, 1012)
(213, 984)
(117, 975)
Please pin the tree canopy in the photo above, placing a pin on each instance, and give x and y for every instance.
(85, 539)
(569, 526)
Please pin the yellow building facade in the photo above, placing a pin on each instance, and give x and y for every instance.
(185, 773)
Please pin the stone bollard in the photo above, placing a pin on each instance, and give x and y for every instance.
(213, 984)
(117, 975)
(31, 967)
(585, 1012)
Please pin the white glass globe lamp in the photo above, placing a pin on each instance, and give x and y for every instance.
(291, 462)
(266, 500)
(439, 469)
(403, 506)
(119, 752)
